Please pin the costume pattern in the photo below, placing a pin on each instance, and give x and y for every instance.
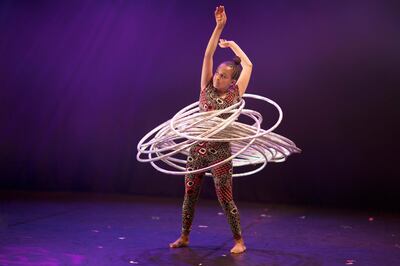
(202, 154)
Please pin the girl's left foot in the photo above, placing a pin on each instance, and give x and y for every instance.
(239, 246)
(180, 242)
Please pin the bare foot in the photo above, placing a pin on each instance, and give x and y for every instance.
(180, 242)
(239, 246)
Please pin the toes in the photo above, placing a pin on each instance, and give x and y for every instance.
(178, 244)
(238, 250)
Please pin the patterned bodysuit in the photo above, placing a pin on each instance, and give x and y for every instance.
(203, 154)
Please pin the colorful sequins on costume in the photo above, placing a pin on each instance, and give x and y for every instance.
(203, 154)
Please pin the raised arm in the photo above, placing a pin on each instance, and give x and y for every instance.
(207, 69)
(244, 78)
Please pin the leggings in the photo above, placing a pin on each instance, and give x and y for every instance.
(201, 155)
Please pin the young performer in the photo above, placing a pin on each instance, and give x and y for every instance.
(218, 91)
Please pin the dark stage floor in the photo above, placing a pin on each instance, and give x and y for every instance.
(82, 229)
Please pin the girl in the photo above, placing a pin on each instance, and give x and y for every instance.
(218, 91)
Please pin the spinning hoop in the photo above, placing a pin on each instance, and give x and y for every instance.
(250, 144)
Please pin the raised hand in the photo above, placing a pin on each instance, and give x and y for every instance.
(220, 16)
(224, 43)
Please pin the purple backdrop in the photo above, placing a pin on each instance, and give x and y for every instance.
(82, 81)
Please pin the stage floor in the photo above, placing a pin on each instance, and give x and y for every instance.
(91, 229)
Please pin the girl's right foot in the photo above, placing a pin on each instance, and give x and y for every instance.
(180, 242)
(239, 246)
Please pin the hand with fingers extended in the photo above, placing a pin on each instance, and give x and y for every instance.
(224, 43)
(220, 16)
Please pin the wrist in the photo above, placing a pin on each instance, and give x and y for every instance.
(219, 26)
(232, 44)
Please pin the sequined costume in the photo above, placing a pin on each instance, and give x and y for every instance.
(203, 154)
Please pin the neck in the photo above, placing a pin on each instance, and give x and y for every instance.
(220, 93)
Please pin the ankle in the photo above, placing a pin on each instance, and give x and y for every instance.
(239, 241)
(185, 237)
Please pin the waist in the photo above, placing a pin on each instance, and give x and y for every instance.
(213, 144)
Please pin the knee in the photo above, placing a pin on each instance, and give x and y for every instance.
(224, 194)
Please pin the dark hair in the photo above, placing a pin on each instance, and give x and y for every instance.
(237, 67)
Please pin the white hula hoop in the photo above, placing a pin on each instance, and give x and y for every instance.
(251, 145)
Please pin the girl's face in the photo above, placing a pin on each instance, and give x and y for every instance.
(222, 78)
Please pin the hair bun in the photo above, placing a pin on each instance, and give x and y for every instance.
(237, 60)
